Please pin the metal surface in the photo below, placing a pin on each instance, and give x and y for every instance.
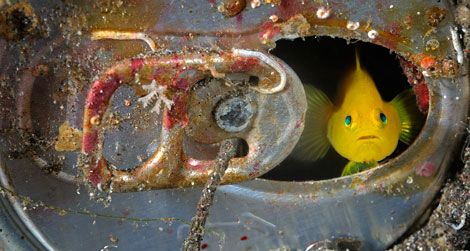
(370, 210)
(177, 74)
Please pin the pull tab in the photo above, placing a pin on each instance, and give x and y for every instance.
(276, 126)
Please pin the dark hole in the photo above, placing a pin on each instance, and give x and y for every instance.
(20, 22)
(323, 62)
(253, 80)
(242, 149)
(348, 244)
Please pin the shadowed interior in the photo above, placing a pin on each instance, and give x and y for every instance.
(323, 62)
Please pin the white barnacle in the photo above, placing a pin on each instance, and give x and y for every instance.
(372, 34)
(352, 25)
(156, 94)
(255, 3)
(323, 12)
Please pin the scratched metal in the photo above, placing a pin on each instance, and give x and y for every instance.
(375, 207)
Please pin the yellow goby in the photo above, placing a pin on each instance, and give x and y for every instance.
(360, 125)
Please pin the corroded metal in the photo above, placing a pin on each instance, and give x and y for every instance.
(178, 74)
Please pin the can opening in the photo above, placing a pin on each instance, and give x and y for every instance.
(323, 62)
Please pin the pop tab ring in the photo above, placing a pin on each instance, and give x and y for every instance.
(169, 166)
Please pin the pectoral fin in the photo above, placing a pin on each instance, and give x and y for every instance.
(410, 117)
(356, 167)
(313, 143)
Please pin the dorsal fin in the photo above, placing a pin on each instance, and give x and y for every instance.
(358, 60)
(313, 143)
(411, 119)
(357, 87)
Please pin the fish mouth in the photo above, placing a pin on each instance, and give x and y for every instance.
(368, 137)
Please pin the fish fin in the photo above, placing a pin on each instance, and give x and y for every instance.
(410, 117)
(313, 143)
(356, 167)
(358, 60)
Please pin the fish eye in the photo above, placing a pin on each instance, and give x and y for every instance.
(383, 118)
(347, 120)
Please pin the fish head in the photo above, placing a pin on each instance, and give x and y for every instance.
(363, 128)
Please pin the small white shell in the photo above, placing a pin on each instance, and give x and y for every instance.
(372, 34)
(352, 25)
(323, 12)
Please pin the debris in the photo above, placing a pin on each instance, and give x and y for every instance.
(69, 138)
(231, 8)
(433, 66)
(296, 26)
(463, 14)
(435, 15)
(273, 2)
(408, 21)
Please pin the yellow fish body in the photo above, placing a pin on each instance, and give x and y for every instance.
(360, 126)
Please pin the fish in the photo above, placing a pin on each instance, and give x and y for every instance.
(359, 125)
